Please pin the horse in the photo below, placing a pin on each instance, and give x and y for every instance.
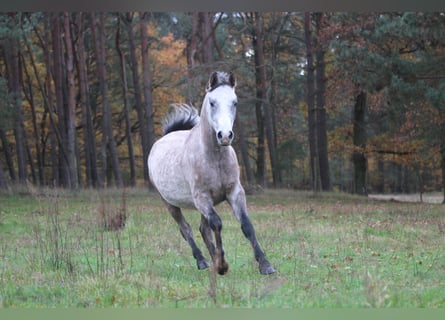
(193, 165)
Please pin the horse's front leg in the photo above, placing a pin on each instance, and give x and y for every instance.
(207, 235)
(215, 224)
(237, 200)
(212, 221)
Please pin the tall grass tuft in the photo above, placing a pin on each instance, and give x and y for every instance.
(112, 217)
(52, 237)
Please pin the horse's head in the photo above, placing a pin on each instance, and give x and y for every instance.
(220, 106)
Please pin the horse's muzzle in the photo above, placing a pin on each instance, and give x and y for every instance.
(225, 139)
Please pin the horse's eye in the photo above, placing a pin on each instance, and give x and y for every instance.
(235, 103)
(212, 104)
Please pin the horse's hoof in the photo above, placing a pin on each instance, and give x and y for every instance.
(222, 270)
(204, 264)
(267, 270)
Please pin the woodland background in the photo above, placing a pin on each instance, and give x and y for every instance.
(327, 101)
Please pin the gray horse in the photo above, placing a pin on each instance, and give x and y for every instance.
(194, 166)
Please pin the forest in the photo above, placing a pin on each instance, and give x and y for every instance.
(328, 101)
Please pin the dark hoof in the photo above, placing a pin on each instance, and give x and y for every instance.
(204, 264)
(222, 270)
(267, 269)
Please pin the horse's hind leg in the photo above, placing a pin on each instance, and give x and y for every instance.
(187, 234)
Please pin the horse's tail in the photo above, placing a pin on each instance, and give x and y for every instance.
(180, 117)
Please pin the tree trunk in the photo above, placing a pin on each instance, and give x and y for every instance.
(259, 112)
(30, 97)
(244, 152)
(260, 149)
(192, 46)
(89, 137)
(310, 101)
(260, 68)
(126, 111)
(442, 165)
(60, 102)
(71, 104)
(207, 47)
(273, 93)
(202, 42)
(215, 43)
(50, 107)
(3, 179)
(359, 140)
(442, 154)
(12, 52)
(146, 76)
(322, 140)
(380, 185)
(192, 56)
(8, 156)
(108, 137)
(137, 94)
(30, 158)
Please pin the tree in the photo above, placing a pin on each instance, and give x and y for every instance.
(108, 141)
(322, 141)
(146, 76)
(71, 103)
(359, 140)
(202, 41)
(298, 94)
(54, 134)
(62, 112)
(310, 101)
(407, 46)
(143, 129)
(6, 118)
(126, 104)
(28, 93)
(11, 53)
(260, 82)
(263, 105)
(89, 136)
(315, 99)
(3, 179)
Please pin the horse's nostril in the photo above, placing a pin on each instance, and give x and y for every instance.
(231, 135)
(219, 135)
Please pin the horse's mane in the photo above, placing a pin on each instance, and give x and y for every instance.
(180, 117)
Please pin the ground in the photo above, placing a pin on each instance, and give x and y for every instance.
(329, 250)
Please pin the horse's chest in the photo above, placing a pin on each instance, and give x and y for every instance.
(217, 179)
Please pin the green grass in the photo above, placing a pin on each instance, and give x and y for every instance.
(330, 250)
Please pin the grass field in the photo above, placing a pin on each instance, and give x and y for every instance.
(330, 250)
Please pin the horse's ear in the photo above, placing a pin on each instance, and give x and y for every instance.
(213, 81)
(217, 79)
(232, 80)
